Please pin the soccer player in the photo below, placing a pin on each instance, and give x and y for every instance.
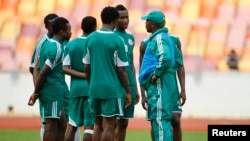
(49, 86)
(158, 68)
(48, 20)
(105, 64)
(121, 26)
(79, 114)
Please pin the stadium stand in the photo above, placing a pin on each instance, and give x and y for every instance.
(208, 29)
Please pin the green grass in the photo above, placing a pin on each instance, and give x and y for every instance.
(33, 135)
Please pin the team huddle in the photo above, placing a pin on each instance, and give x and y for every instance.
(103, 88)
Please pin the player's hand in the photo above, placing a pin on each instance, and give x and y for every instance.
(137, 98)
(128, 99)
(33, 99)
(144, 103)
(182, 98)
(153, 79)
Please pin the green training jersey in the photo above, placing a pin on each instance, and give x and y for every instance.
(129, 46)
(105, 52)
(36, 53)
(51, 55)
(73, 55)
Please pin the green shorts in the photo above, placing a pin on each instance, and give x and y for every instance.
(80, 114)
(129, 111)
(41, 112)
(65, 107)
(162, 130)
(51, 109)
(107, 107)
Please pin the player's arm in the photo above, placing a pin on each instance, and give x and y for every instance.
(143, 95)
(123, 77)
(36, 71)
(87, 72)
(134, 71)
(181, 78)
(39, 83)
(67, 70)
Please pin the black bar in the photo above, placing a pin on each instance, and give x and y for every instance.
(225, 132)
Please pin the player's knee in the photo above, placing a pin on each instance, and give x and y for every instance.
(123, 123)
(176, 121)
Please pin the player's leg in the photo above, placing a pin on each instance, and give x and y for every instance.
(52, 112)
(88, 133)
(66, 106)
(70, 134)
(76, 118)
(98, 129)
(120, 130)
(176, 119)
(61, 127)
(50, 129)
(123, 121)
(88, 120)
(176, 125)
(43, 120)
(108, 128)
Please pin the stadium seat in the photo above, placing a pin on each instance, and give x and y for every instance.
(190, 11)
(243, 12)
(6, 58)
(222, 65)
(64, 8)
(45, 7)
(208, 9)
(226, 12)
(26, 8)
(181, 28)
(244, 65)
(216, 41)
(236, 36)
(29, 30)
(198, 38)
(173, 6)
(8, 8)
(10, 30)
(25, 45)
(116, 2)
(81, 7)
(244, 2)
(152, 5)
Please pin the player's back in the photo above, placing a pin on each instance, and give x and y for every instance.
(105, 49)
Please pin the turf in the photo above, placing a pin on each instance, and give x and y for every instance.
(135, 135)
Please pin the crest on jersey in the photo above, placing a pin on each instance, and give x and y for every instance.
(130, 42)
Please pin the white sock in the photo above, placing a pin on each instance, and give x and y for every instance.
(78, 135)
(42, 131)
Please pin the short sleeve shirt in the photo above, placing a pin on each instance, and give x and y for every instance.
(51, 55)
(105, 52)
(73, 57)
(129, 46)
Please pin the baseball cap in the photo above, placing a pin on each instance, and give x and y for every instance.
(154, 16)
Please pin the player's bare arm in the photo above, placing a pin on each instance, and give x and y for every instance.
(67, 70)
(122, 74)
(143, 95)
(40, 81)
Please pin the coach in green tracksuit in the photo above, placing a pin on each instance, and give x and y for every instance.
(158, 75)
